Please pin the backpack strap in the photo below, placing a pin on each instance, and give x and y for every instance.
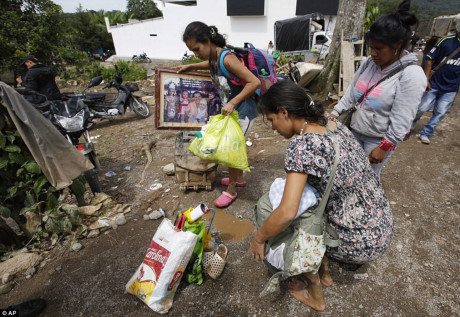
(235, 80)
(222, 55)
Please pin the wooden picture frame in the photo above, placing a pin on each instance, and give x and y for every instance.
(184, 101)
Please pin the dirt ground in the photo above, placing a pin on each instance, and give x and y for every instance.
(418, 275)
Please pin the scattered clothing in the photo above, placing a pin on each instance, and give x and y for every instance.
(308, 199)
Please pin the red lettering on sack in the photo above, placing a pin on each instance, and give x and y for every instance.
(176, 278)
(156, 258)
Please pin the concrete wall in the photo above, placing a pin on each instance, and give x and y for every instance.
(134, 38)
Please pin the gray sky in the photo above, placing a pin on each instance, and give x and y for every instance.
(107, 5)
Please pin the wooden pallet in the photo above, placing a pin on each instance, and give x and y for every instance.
(351, 55)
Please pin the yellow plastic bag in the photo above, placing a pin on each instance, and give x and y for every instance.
(223, 142)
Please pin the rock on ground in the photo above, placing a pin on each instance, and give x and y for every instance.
(19, 263)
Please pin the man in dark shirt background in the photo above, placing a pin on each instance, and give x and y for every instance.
(443, 84)
(39, 77)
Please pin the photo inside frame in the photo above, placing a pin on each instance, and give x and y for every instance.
(187, 101)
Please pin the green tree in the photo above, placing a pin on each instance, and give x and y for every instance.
(30, 27)
(372, 14)
(87, 33)
(115, 17)
(142, 9)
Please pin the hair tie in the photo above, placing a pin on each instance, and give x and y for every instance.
(213, 32)
(310, 99)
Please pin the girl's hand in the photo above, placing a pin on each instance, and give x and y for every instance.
(377, 155)
(257, 249)
(228, 108)
(183, 68)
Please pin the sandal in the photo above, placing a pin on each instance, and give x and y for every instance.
(226, 182)
(224, 200)
(218, 262)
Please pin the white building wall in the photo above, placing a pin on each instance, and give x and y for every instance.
(134, 38)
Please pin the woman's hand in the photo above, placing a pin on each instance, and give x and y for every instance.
(228, 108)
(257, 248)
(377, 155)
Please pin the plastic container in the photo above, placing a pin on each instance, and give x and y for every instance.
(196, 213)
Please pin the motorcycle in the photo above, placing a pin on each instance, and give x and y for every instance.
(141, 58)
(71, 117)
(125, 98)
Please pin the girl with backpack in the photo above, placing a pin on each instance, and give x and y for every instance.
(208, 44)
(355, 204)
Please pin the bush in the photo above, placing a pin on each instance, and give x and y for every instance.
(76, 69)
(130, 72)
(192, 59)
(285, 58)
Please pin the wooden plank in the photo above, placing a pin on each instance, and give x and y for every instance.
(347, 56)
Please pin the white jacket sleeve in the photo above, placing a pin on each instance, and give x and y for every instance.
(409, 92)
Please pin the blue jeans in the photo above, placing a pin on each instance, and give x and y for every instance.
(442, 102)
(368, 144)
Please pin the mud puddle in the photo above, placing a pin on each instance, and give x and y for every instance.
(231, 229)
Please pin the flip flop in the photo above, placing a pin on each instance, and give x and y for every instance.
(226, 182)
(224, 200)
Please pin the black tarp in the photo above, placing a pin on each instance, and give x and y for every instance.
(293, 34)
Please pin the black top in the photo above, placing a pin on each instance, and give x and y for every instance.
(40, 78)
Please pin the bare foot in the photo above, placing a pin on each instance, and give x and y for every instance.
(311, 295)
(325, 275)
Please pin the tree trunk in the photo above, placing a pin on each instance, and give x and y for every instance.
(350, 20)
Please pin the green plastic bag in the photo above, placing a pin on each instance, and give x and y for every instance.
(223, 142)
(194, 271)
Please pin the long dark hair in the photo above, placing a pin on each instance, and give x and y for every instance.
(202, 33)
(298, 103)
(394, 29)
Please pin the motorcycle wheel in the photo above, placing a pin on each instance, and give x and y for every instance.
(139, 107)
(92, 178)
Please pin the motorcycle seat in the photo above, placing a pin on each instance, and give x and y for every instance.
(95, 96)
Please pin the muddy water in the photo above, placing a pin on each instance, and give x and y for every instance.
(230, 228)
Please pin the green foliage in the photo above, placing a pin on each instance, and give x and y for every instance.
(142, 9)
(130, 71)
(192, 59)
(87, 33)
(29, 27)
(25, 190)
(372, 14)
(425, 10)
(74, 57)
(115, 17)
(285, 58)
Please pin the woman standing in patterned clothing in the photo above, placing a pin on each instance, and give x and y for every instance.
(357, 208)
